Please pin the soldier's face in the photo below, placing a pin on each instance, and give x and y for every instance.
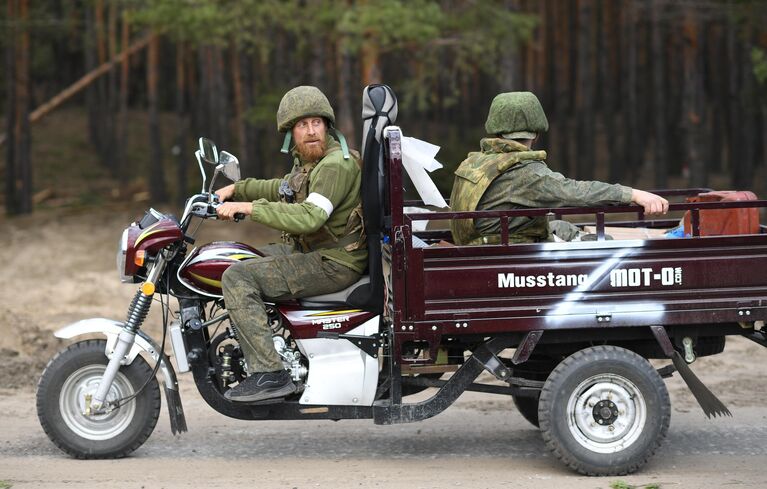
(309, 135)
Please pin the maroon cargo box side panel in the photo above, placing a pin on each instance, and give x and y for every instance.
(620, 283)
(725, 221)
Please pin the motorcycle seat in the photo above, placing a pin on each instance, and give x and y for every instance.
(339, 298)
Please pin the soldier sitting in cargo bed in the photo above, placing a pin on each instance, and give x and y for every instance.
(506, 174)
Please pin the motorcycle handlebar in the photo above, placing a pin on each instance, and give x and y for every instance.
(210, 212)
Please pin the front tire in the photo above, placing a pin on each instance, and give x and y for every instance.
(75, 372)
(604, 411)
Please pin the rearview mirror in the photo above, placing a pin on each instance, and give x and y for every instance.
(208, 151)
(229, 166)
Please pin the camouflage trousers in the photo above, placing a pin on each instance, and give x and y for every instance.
(283, 274)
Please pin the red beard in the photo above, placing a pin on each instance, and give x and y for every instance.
(311, 152)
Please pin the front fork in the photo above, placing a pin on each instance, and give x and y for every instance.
(137, 312)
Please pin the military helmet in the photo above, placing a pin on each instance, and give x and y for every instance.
(516, 115)
(300, 102)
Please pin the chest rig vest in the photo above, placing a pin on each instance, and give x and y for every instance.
(474, 176)
(296, 189)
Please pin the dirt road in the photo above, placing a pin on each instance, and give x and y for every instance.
(59, 268)
(475, 444)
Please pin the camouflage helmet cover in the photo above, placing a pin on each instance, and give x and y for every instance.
(300, 102)
(516, 115)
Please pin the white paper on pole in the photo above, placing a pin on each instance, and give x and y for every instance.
(418, 159)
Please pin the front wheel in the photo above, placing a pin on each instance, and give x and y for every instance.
(76, 372)
(604, 411)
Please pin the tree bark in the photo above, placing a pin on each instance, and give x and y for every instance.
(18, 198)
(371, 62)
(510, 75)
(344, 118)
(239, 103)
(611, 89)
(749, 123)
(92, 99)
(122, 116)
(183, 154)
(631, 145)
(691, 99)
(558, 113)
(156, 169)
(659, 95)
(585, 93)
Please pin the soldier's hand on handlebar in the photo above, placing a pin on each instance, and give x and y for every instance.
(653, 204)
(225, 193)
(229, 211)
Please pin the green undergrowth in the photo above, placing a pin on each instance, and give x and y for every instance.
(619, 484)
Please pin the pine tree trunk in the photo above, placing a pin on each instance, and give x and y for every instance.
(734, 116)
(371, 63)
(344, 118)
(631, 149)
(558, 140)
(18, 162)
(11, 199)
(691, 99)
(156, 168)
(659, 95)
(249, 99)
(749, 123)
(239, 104)
(121, 156)
(585, 93)
(92, 92)
(509, 79)
(182, 150)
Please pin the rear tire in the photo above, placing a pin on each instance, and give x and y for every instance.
(604, 411)
(528, 408)
(75, 372)
(537, 367)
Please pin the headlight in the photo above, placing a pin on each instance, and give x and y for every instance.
(121, 252)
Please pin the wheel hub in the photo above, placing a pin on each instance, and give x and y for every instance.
(605, 412)
(73, 404)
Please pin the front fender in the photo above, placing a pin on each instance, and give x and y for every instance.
(111, 329)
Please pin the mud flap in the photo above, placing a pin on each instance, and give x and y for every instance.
(176, 411)
(707, 400)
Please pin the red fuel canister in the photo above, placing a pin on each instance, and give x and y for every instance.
(724, 221)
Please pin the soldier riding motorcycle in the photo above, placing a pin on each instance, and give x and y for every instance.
(100, 398)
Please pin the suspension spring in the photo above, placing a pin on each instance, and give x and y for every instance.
(138, 310)
(235, 331)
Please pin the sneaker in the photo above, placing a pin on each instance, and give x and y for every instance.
(262, 385)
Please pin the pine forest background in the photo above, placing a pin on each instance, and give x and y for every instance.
(103, 99)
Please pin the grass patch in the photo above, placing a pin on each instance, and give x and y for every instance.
(619, 484)
(5, 485)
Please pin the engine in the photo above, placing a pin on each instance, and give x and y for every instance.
(291, 358)
(230, 363)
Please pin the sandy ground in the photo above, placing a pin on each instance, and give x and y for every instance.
(59, 268)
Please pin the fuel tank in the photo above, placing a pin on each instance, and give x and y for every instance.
(203, 268)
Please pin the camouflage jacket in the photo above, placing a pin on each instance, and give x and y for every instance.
(506, 175)
(317, 205)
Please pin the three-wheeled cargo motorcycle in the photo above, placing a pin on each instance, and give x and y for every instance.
(565, 329)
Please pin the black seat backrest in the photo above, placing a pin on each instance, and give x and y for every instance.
(379, 109)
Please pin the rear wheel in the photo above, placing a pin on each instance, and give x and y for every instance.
(604, 411)
(538, 368)
(76, 372)
(528, 408)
